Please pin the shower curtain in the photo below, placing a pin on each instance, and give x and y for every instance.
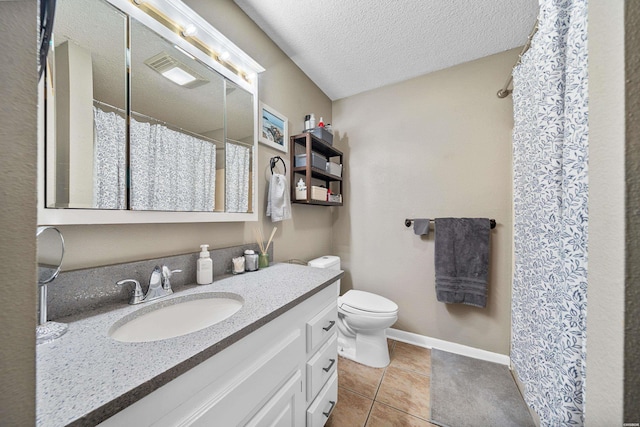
(237, 177)
(550, 215)
(170, 170)
(109, 162)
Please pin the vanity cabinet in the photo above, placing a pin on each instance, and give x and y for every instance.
(282, 374)
(313, 148)
(322, 362)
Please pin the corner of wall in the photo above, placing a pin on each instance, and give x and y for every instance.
(18, 131)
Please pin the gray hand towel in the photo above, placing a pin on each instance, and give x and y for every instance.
(462, 260)
(421, 226)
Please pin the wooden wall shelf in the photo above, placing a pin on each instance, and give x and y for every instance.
(312, 143)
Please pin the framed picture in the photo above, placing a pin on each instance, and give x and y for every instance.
(274, 128)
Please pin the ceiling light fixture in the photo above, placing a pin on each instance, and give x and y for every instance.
(178, 76)
(175, 70)
(225, 56)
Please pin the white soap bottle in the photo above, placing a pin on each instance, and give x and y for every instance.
(204, 275)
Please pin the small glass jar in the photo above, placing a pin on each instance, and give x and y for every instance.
(250, 260)
(263, 260)
(237, 265)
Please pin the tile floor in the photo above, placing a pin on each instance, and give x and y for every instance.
(397, 395)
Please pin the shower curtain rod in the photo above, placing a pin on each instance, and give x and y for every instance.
(504, 92)
(169, 125)
(235, 141)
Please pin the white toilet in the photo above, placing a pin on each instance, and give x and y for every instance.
(363, 318)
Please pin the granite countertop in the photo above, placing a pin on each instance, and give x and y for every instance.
(85, 377)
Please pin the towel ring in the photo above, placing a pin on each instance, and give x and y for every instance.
(274, 160)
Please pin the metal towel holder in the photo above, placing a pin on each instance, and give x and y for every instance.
(408, 221)
(274, 160)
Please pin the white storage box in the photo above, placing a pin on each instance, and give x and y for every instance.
(334, 168)
(318, 193)
(301, 194)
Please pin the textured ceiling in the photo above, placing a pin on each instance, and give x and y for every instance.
(350, 46)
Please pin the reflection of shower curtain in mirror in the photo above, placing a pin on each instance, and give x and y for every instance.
(237, 177)
(110, 165)
(171, 170)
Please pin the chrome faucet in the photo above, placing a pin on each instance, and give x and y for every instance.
(159, 285)
(166, 275)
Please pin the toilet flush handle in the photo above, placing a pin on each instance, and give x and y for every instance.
(331, 323)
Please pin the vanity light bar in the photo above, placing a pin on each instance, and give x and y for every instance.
(190, 32)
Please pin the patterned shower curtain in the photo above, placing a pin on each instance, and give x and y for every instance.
(170, 170)
(238, 161)
(550, 159)
(110, 160)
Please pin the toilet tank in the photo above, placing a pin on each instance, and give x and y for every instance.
(328, 261)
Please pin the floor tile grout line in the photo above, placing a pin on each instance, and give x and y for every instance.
(378, 388)
(404, 412)
(411, 371)
(354, 391)
(379, 385)
(369, 413)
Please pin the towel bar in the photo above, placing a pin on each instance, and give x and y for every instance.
(408, 221)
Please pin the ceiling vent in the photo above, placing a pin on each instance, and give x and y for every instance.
(176, 71)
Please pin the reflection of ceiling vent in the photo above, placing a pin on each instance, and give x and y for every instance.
(175, 70)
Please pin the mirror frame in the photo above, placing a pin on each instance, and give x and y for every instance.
(246, 76)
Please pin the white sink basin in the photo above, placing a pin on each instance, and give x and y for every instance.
(175, 317)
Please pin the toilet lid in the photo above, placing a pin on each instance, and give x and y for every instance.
(366, 301)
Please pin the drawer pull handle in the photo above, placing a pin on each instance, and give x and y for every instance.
(331, 323)
(328, 368)
(326, 414)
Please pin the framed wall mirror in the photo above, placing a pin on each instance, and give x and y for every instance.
(150, 115)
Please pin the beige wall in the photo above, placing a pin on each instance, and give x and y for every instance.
(282, 86)
(605, 294)
(18, 212)
(435, 146)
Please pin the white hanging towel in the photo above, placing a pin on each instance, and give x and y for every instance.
(278, 203)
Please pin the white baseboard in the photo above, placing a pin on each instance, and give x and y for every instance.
(451, 347)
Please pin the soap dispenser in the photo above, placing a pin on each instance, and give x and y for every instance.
(204, 275)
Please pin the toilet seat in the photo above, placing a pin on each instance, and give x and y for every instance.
(350, 310)
(368, 304)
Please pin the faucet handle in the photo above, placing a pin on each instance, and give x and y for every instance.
(137, 296)
(166, 275)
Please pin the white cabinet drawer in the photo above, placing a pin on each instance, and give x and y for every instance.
(281, 411)
(321, 366)
(319, 411)
(322, 326)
